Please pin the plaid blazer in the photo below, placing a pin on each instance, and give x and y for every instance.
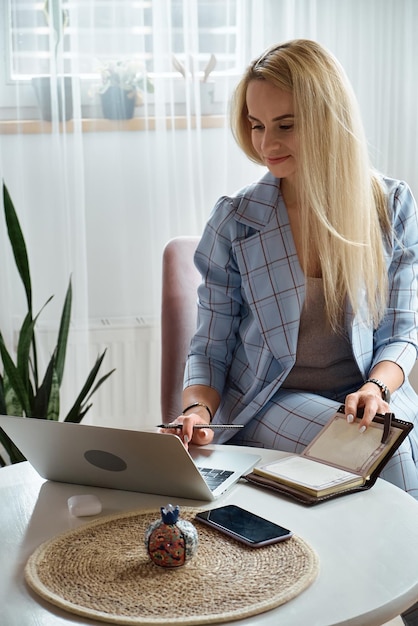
(253, 290)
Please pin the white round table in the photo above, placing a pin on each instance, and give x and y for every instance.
(367, 545)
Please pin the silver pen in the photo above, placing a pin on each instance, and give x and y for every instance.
(180, 426)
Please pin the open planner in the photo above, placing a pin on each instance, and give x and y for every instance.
(340, 460)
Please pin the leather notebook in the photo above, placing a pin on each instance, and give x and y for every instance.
(339, 460)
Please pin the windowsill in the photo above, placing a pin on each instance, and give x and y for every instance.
(179, 122)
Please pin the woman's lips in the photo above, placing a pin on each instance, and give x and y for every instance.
(276, 160)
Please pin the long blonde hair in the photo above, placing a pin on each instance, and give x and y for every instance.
(344, 215)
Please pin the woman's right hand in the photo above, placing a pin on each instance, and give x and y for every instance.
(198, 436)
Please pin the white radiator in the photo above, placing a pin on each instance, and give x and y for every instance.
(130, 397)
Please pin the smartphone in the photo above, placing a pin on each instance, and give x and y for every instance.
(251, 529)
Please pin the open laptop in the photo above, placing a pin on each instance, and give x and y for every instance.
(149, 462)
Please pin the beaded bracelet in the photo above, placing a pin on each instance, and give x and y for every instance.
(205, 406)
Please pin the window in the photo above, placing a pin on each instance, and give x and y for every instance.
(162, 34)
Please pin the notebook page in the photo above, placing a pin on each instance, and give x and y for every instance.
(317, 476)
(343, 445)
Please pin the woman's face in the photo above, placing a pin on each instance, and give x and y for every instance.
(270, 112)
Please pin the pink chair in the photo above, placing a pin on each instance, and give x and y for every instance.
(180, 280)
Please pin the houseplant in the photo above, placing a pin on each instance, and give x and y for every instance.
(55, 86)
(22, 392)
(121, 88)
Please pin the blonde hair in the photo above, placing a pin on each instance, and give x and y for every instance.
(344, 215)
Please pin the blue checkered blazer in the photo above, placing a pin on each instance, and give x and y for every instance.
(252, 294)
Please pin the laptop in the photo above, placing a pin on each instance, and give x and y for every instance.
(149, 462)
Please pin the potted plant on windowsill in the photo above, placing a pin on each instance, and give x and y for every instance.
(22, 392)
(122, 85)
(55, 89)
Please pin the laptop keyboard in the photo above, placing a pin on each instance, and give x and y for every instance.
(214, 477)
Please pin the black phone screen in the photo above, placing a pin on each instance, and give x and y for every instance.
(251, 528)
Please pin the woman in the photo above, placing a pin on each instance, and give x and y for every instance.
(309, 292)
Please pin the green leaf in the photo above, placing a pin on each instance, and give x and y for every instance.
(14, 453)
(53, 410)
(14, 377)
(3, 410)
(34, 361)
(41, 400)
(26, 336)
(24, 344)
(18, 245)
(84, 411)
(75, 414)
(61, 348)
(99, 383)
(20, 393)
(13, 406)
(9, 404)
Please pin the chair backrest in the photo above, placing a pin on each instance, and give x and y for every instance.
(180, 280)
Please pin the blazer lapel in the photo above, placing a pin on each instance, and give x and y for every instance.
(272, 278)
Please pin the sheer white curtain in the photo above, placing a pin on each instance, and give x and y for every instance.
(98, 198)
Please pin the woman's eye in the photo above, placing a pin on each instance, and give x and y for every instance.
(256, 126)
(285, 127)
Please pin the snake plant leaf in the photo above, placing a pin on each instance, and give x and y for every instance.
(13, 375)
(3, 410)
(14, 453)
(12, 404)
(83, 411)
(53, 410)
(25, 342)
(18, 245)
(99, 383)
(23, 348)
(62, 340)
(84, 407)
(75, 414)
(40, 402)
(20, 392)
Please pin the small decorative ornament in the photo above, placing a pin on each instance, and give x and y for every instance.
(171, 541)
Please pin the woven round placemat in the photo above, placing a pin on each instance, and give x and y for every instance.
(101, 570)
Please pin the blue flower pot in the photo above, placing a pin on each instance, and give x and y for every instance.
(117, 103)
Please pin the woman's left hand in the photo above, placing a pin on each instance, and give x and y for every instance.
(365, 398)
(369, 396)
